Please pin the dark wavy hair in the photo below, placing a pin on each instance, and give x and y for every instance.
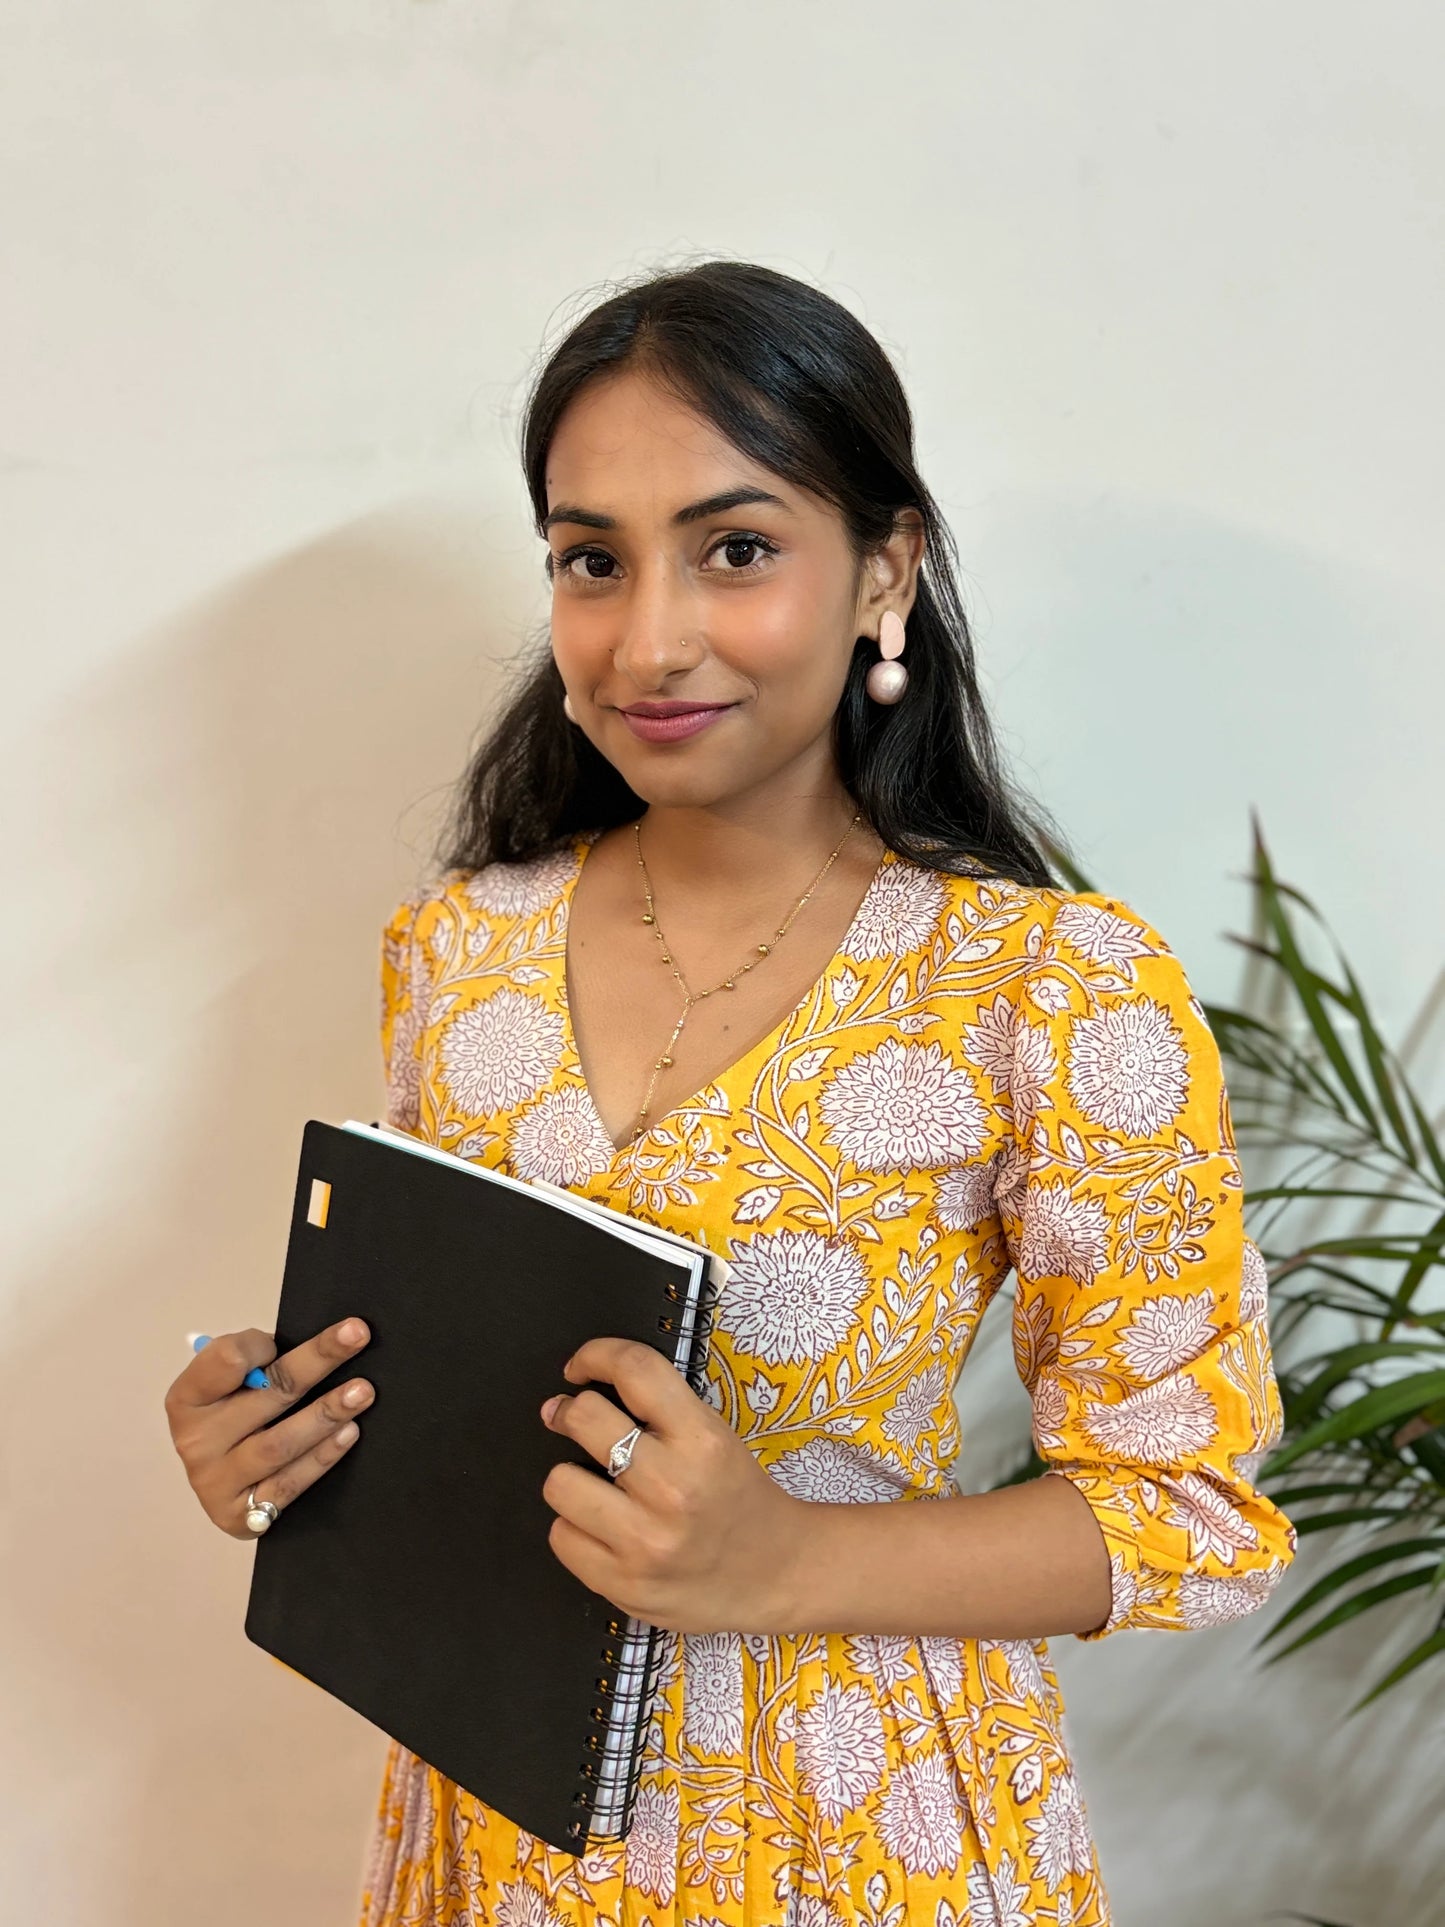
(797, 383)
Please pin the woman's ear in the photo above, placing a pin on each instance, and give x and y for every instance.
(890, 579)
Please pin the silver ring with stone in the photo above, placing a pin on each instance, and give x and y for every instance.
(261, 1515)
(620, 1457)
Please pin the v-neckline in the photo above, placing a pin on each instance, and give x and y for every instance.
(581, 848)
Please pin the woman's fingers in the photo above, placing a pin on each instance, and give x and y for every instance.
(294, 1373)
(218, 1369)
(597, 1425)
(644, 1381)
(283, 1486)
(264, 1453)
(210, 1413)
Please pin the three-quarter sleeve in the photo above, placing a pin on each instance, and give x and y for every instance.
(1140, 1317)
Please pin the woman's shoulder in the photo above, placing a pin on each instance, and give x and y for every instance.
(1015, 912)
(1098, 937)
(496, 894)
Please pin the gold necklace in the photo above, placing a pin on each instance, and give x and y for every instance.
(730, 981)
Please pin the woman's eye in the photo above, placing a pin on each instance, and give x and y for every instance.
(730, 543)
(562, 564)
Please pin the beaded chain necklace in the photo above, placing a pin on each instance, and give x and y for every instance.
(729, 982)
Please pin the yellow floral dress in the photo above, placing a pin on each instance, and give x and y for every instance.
(987, 1077)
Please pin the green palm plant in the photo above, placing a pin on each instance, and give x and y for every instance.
(1351, 1224)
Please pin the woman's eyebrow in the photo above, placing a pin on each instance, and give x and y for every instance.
(694, 512)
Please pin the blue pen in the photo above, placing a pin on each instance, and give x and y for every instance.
(255, 1378)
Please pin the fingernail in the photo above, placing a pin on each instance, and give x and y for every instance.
(353, 1396)
(549, 1408)
(351, 1333)
(347, 1433)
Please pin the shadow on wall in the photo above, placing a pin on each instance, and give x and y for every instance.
(221, 844)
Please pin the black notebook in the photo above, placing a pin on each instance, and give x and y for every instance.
(415, 1580)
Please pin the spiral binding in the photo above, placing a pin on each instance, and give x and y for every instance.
(630, 1669)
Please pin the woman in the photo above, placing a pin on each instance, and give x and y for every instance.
(746, 934)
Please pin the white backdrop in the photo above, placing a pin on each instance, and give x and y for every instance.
(1165, 285)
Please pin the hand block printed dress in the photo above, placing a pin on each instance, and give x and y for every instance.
(986, 1077)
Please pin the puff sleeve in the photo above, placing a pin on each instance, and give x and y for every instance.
(1140, 1318)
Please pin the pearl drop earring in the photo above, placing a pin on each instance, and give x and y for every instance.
(567, 710)
(887, 679)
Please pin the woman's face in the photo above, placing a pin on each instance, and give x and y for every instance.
(703, 638)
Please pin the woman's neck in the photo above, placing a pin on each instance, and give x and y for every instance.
(725, 851)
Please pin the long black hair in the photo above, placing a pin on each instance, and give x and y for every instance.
(796, 382)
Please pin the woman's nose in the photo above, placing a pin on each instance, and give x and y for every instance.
(652, 640)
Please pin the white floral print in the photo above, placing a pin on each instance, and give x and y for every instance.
(943, 1664)
(964, 1197)
(500, 1052)
(560, 1138)
(898, 914)
(808, 1910)
(1033, 1070)
(839, 1742)
(893, 1658)
(791, 1295)
(837, 1474)
(920, 1817)
(652, 1842)
(1062, 1235)
(713, 1692)
(1016, 1054)
(1002, 1901)
(973, 1194)
(1100, 934)
(886, 1657)
(1050, 1404)
(915, 1410)
(1157, 1426)
(408, 962)
(1209, 1599)
(903, 1107)
(1026, 1677)
(1166, 1332)
(521, 1905)
(1059, 1836)
(1253, 1284)
(1216, 1527)
(1128, 1069)
(521, 889)
(403, 1105)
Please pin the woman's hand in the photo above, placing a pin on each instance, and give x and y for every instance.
(216, 1423)
(694, 1536)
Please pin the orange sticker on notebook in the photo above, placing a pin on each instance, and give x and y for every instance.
(320, 1202)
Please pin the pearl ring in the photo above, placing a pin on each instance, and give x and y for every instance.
(261, 1515)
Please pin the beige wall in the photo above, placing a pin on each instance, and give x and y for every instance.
(1165, 285)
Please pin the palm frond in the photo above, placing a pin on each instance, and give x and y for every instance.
(1352, 1230)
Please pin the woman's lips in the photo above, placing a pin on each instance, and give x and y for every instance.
(673, 724)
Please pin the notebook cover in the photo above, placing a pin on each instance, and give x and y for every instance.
(414, 1580)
